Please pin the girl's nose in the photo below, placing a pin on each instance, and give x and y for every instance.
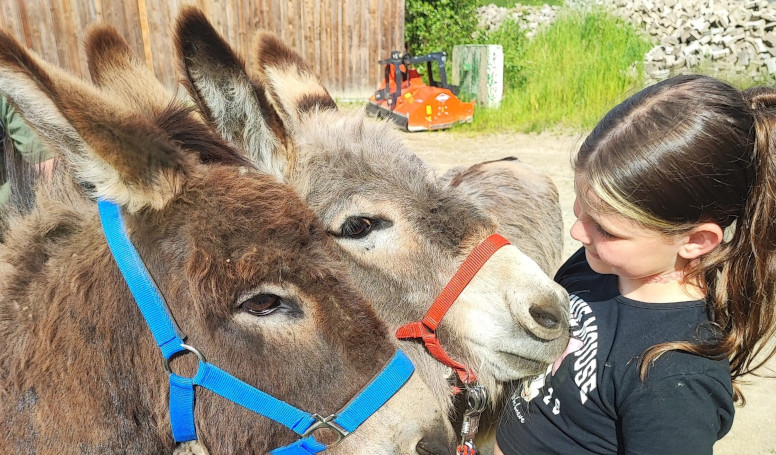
(579, 233)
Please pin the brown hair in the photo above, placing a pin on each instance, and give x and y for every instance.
(689, 150)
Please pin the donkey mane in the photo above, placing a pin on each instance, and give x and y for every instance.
(191, 134)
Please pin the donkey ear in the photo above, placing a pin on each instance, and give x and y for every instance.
(236, 105)
(115, 68)
(292, 86)
(126, 158)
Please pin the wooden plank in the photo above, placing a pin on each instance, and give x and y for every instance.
(341, 35)
(367, 37)
(158, 52)
(73, 55)
(11, 19)
(340, 39)
(377, 44)
(307, 35)
(352, 30)
(81, 18)
(98, 9)
(327, 42)
(46, 33)
(242, 25)
(145, 33)
(262, 18)
(227, 20)
(294, 20)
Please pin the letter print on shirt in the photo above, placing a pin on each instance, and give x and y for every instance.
(585, 333)
(532, 388)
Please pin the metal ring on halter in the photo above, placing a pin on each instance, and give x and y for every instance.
(188, 348)
(326, 422)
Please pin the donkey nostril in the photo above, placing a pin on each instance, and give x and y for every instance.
(544, 318)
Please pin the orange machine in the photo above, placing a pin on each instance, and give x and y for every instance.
(411, 103)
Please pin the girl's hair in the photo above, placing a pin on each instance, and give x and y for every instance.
(689, 150)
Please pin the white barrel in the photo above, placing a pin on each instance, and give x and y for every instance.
(478, 71)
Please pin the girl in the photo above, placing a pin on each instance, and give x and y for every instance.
(672, 296)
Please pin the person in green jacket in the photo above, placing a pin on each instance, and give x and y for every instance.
(17, 136)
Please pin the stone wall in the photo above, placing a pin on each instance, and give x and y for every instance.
(729, 37)
(530, 18)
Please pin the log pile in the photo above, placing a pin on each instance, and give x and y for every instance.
(729, 37)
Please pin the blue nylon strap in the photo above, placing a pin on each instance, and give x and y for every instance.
(380, 390)
(182, 408)
(222, 383)
(304, 446)
(147, 296)
(149, 301)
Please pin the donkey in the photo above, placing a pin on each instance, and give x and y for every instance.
(401, 230)
(245, 267)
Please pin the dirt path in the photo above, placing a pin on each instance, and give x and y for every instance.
(753, 428)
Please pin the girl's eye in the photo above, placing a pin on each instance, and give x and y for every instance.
(603, 233)
(357, 227)
(261, 304)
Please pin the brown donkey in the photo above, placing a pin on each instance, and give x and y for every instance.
(402, 231)
(246, 269)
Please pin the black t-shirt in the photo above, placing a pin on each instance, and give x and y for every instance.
(593, 401)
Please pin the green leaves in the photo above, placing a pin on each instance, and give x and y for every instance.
(438, 25)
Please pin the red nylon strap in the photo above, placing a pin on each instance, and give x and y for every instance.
(425, 329)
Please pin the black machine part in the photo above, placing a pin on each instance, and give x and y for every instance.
(398, 59)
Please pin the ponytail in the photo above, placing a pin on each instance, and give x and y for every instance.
(750, 273)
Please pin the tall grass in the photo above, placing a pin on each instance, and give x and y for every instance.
(572, 73)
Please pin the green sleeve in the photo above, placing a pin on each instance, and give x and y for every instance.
(24, 139)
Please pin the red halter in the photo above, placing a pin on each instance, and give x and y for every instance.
(425, 328)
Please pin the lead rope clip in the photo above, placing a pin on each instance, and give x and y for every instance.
(476, 401)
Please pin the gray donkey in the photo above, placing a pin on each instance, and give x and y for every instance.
(402, 230)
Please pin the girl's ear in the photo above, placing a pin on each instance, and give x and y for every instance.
(702, 239)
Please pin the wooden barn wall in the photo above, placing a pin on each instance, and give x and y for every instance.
(341, 39)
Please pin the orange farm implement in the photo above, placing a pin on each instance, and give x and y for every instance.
(413, 104)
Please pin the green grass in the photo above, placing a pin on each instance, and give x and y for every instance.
(572, 73)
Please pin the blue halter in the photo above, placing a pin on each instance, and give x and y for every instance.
(170, 341)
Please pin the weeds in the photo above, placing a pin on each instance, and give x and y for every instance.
(571, 74)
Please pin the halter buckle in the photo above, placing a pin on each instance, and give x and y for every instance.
(326, 422)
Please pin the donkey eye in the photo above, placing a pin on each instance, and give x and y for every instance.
(357, 227)
(261, 304)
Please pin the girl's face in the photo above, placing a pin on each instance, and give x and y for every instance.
(617, 245)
